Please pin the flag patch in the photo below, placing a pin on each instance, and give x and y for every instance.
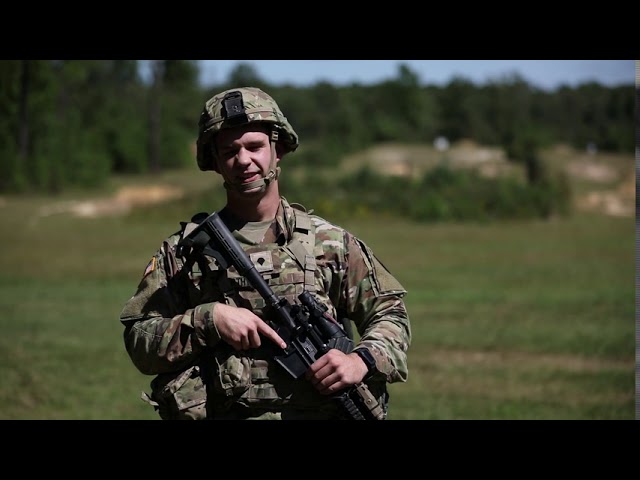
(150, 267)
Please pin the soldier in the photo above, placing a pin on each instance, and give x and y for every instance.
(199, 329)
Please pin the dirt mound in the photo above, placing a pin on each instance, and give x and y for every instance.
(600, 171)
(593, 171)
(620, 202)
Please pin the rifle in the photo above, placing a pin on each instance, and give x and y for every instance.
(308, 330)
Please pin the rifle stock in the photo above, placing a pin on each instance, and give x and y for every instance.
(308, 330)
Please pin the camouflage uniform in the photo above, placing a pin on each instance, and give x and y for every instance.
(169, 324)
(169, 328)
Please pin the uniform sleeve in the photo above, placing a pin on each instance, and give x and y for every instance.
(374, 301)
(161, 334)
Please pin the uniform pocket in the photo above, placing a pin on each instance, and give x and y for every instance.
(179, 396)
(233, 373)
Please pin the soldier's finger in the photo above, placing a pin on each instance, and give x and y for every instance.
(254, 339)
(271, 334)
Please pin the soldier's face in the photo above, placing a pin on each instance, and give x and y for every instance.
(244, 154)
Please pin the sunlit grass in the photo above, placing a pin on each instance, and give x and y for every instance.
(513, 320)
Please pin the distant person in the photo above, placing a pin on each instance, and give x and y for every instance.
(202, 330)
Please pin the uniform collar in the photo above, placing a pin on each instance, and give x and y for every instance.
(281, 228)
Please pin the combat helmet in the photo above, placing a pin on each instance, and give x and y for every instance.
(239, 106)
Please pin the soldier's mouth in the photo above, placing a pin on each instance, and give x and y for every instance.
(248, 178)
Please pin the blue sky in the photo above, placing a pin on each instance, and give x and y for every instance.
(546, 74)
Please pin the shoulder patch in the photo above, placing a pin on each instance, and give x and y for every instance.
(151, 266)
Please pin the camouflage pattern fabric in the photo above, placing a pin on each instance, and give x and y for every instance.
(169, 325)
(260, 107)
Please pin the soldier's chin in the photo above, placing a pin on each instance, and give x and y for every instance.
(253, 191)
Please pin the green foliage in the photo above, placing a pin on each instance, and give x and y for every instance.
(442, 194)
(55, 114)
(176, 149)
(243, 75)
(314, 154)
(14, 178)
(126, 147)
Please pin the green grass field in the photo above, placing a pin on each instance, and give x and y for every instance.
(526, 320)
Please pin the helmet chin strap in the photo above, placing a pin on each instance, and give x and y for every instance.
(272, 174)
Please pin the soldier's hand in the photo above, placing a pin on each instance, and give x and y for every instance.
(241, 328)
(336, 370)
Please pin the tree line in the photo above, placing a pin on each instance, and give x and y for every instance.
(69, 123)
